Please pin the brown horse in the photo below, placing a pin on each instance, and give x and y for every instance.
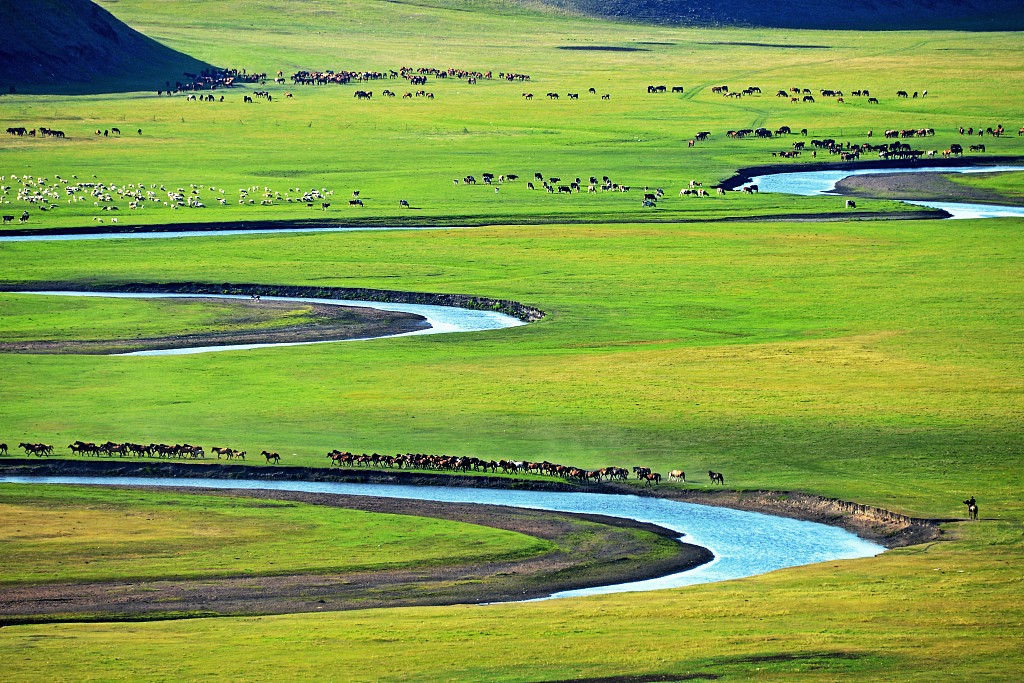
(271, 456)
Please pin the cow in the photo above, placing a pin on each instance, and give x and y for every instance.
(716, 477)
(8, 219)
(850, 204)
(606, 96)
(402, 202)
(677, 88)
(872, 100)
(355, 202)
(677, 475)
(324, 206)
(901, 93)
(552, 96)
(808, 98)
(573, 95)
(592, 91)
(977, 148)
(24, 217)
(115, 130)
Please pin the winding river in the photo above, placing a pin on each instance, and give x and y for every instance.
(442, 319)
(744, 543)
(808, 183)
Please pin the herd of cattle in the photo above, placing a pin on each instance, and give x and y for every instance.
(345, 459)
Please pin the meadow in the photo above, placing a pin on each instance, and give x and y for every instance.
(875, 361)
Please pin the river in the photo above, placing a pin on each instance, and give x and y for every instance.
(808, 183)
(442, 319)
(744, 543)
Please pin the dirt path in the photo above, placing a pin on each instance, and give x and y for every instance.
(613, 553)
(934, 187)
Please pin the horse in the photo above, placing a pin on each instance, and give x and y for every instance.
(3, 449)
(652, 476)
(972, 507)
(677, 475)
(716, 477)
(271, 456)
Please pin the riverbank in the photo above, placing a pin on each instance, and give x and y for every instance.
(890, 529)
(321, 322)
(477, 303)
(593, 550)
(747, 174)
(935, 187)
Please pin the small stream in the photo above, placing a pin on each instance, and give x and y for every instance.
(744, 543)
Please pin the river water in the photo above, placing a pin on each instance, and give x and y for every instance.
(744, 543)
(442, 319)
(808, 183)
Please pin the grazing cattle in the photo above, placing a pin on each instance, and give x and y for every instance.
(750, 189)
(720, 190)
(528, 95)
(677, 88)
(808, 98)
(530, 186)
(716, 477)
(901, 93)
(407, 95)
(402, 202)
(24, 217)
(592, 91)
(115, 130)
(140, 131)
(677, 475)
(608, 97)
(977, 148)
(650, 196)
(355, 202)
(850, 204)
(8, 219)
(324, 206)
(972, 507)
(573, 95)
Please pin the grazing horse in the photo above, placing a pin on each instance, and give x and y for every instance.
(677, 475)
(652, 477)
(271, 456)
(972, 507)
(3, 448)
(716, 477)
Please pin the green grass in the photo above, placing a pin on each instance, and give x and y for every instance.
(36, 318)
(1010, 184)
(71, 534)
(872, 361)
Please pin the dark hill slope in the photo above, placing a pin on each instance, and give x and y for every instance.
(77, 46)
(870, 15)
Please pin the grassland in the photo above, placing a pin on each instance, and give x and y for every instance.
(74, 534)
(872, 361)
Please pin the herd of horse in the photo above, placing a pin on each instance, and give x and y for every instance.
(466, 464)
(127, 449)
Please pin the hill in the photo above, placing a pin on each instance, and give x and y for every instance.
(76, 46)
(864, 15)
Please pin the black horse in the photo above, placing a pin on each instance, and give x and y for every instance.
(717, 477)
(972, 507)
